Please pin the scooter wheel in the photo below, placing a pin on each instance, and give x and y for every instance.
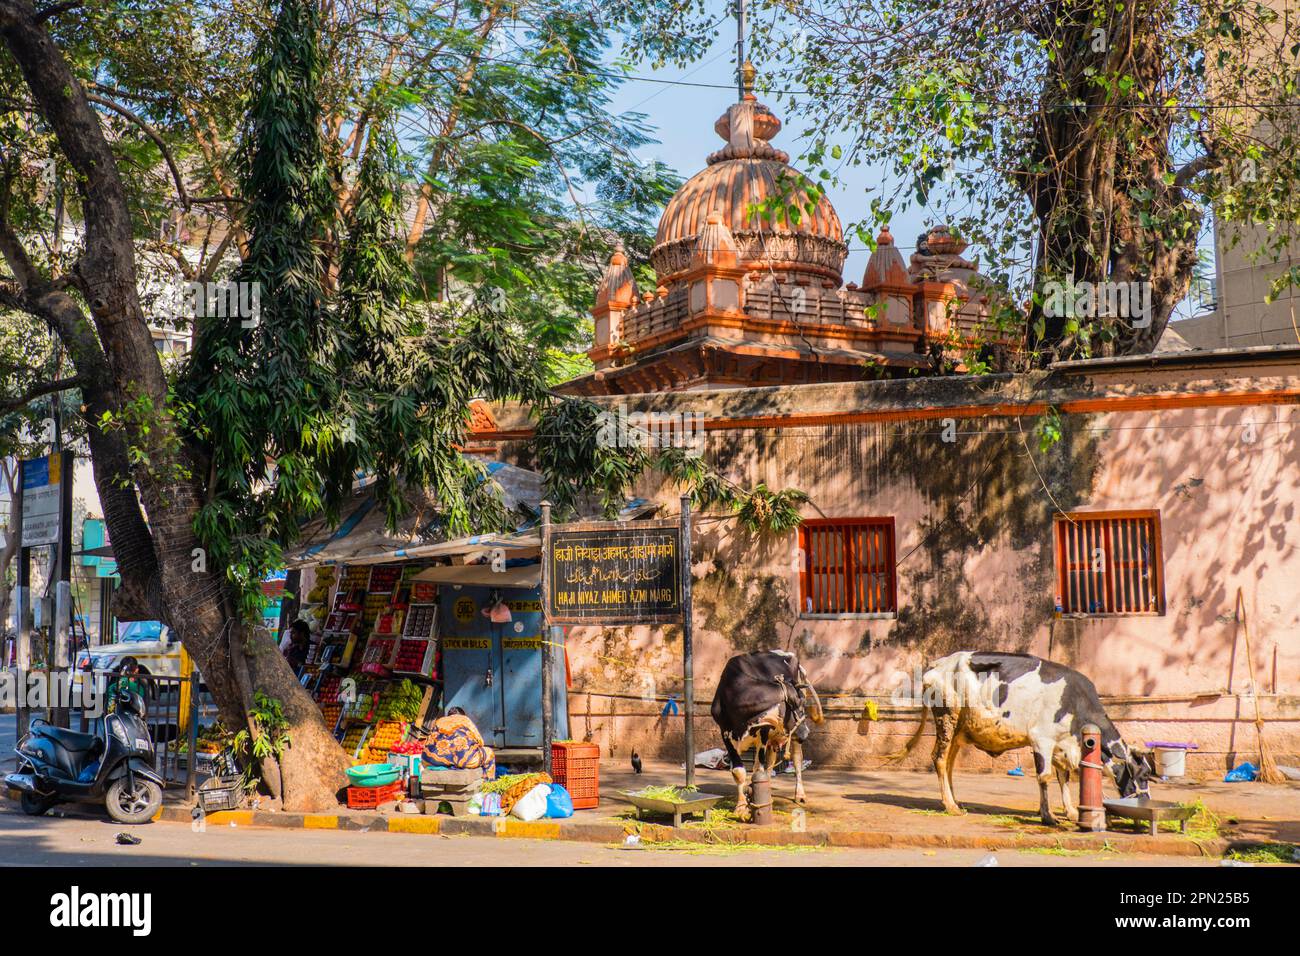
(34, 805)
(133, 806)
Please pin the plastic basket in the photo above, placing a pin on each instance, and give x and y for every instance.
(367, 798)
(576, 767)
(220, 793)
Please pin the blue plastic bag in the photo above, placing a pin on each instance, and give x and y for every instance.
(558, 803)
(1243, 773)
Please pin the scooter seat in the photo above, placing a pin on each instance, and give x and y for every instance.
(69, 740)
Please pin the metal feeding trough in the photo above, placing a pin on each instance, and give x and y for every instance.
(1150, 812)
(676, 808)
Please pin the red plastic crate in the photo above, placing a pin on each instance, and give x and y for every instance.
(367, 798)
(576, 767)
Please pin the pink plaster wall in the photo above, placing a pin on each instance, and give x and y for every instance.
(1228, 519)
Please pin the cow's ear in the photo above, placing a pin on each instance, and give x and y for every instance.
(1139, 751)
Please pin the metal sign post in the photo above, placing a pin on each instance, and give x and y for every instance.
(548, 636)
(688, 651)
(607, 573)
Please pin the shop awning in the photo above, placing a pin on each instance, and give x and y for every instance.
(527, 576)
(362, 537)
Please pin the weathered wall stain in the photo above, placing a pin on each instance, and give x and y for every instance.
(749, 611)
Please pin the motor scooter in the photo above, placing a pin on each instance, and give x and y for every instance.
(115, 766)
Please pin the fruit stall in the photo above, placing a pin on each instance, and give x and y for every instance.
(406, 626)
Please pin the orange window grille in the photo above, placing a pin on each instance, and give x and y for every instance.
(1109, 563)
(848, 566)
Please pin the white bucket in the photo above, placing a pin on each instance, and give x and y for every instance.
(1171, 762)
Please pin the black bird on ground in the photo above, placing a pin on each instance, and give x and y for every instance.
(636, 761)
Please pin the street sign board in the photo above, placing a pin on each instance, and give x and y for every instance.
(41, 499)
(606, 573)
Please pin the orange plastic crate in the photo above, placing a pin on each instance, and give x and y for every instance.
(367, 798)
(576, 767)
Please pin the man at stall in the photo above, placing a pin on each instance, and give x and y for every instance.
(299, 645)
(456, 742)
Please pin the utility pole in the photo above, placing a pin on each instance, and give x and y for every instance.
(60, 671)
(23, 613)
(740, 49)
(59, 666)
(688, 643)
(548, 635)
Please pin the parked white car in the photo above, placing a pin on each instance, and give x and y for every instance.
(149, 642)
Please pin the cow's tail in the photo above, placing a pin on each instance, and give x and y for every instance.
(916, 738)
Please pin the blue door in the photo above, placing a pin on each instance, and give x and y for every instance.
(470, 661)
(494, 671)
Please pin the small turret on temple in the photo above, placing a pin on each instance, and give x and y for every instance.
(746, 297)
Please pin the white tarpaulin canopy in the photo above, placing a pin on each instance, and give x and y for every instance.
(363, 537)
(528, 576)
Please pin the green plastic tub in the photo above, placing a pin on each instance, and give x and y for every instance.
(373, 774)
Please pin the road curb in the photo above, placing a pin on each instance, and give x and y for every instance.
(585, 832)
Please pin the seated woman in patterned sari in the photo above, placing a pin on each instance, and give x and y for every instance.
(455, 742)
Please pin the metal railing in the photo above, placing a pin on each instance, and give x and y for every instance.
(172, 707)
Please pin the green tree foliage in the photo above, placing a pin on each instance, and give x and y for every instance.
(516, 177)
(1082, 139)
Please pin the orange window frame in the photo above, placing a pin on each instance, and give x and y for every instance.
(849, 566)
(1131, 579)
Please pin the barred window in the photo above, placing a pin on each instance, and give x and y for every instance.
(1109, 562)
(848, 566)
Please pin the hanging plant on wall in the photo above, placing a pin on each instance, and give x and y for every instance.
(578, 461)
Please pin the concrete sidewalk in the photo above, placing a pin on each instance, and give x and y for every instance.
(847, 808)
(999, 807)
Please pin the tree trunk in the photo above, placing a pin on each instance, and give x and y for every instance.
(1097, 159)
(170, 567)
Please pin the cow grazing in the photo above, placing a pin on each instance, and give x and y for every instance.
(998, 702)
(764, 701)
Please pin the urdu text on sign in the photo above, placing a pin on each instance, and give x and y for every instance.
(623, 575)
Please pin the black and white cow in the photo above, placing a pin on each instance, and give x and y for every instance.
(764, 701)
(998, 702)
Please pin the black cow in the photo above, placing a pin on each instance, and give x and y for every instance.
(764, 700)
(999, 702)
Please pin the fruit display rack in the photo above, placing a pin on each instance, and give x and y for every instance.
(341, 622)
(331, 713)
(415, 655)
(379, 654)
(389, 621)
(354, 739)
(355, 578)
(327, 690)
(420, 620)
(384, 578)
(373, 606)
(381, 740)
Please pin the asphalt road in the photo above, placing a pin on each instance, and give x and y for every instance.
(84, 840)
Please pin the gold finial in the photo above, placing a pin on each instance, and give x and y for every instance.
(747, 74)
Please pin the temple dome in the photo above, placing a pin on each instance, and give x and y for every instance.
(747, 171)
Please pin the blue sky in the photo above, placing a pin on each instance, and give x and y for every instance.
(683, 118)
